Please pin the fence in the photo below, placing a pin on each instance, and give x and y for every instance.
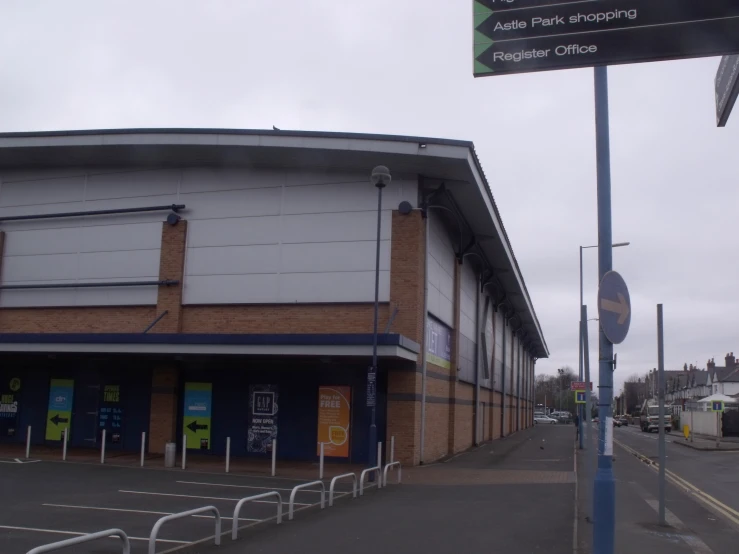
(303, 486)
(125, 543)
(165, 519)
(240, 503)
(333, 484)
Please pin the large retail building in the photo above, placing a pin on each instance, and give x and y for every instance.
(220, 283)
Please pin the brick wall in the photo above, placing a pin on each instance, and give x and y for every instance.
(464, 419)
(283, 318)
(104, 319)
(172, 267)
(407, 272)
(163, 418)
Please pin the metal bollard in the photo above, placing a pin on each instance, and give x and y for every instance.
(228, 453)
(64, 444)
(184, 451)
(28, 443)
(102, 449)
(274, 457)
(320, 462)
(143, 447)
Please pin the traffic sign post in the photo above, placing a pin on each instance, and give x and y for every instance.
(523, 36)
(580, 385)
(727, 88)
(718, 407)
(614, 307)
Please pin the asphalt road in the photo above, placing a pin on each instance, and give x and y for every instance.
(51, 501)
(715, 473)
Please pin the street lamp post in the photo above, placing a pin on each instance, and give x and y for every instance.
(380, 178)
(581, 333)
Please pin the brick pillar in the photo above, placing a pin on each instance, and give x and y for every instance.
(163, 415)
(407, 272)
(171, 266)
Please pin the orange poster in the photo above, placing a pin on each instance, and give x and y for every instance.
(333, 421)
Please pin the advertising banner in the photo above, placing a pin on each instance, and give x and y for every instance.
(262, 424)
(59, 414)
(9, 399)
(196, 417)
(110, 415)
(334, 411)
(438, 343)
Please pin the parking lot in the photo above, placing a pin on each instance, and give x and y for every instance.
(51, 501)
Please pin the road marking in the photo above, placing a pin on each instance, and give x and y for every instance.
(241, 486)
(76, 534)
(205, 497)
(137, 511)
(694, 542)
(731, 514)
(19, 461)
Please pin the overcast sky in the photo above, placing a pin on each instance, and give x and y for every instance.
(406, 68)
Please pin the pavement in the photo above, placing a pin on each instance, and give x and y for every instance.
(695, 524)
(194, 461)
(516, 494)
(700, 442)
(512, 495)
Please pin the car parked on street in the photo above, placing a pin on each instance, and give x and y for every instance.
(544, 419)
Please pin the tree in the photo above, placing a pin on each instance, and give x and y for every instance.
(554, 390)
(634, 392)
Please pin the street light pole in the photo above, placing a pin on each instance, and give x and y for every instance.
(380, 178)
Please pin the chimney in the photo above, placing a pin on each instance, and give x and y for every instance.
(730, 361)
(710, 364)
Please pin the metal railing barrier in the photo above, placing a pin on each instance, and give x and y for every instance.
(170, 517)
(364, 474)
(125, 543)
(291, 506)
(240, 503)
(384, 473)
(333, 484)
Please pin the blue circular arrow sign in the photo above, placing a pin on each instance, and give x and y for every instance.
(614, 307)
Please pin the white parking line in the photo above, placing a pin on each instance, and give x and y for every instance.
(242, 486)
(205, 497)
(136, 511)
(76, 534)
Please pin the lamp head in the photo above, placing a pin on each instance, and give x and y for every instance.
(381, 176)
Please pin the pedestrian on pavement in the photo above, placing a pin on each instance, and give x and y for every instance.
(577, 426)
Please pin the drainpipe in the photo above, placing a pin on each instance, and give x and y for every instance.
(478, 357)
(503, 386)
(518, 388)
(424, 356)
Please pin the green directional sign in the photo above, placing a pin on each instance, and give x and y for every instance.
(518, 36)
(196, 421)
(59, 413)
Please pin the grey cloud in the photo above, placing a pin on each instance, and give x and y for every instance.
(405, 68)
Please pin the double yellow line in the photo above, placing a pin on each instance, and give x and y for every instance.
(714, 504)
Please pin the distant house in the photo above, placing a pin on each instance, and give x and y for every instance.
(724, 380)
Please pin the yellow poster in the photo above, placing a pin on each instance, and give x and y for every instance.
(333, 421)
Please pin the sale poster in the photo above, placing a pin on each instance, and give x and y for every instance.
(262, 420)
(334, 410)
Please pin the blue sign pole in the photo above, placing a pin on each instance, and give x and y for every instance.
(604, 485)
